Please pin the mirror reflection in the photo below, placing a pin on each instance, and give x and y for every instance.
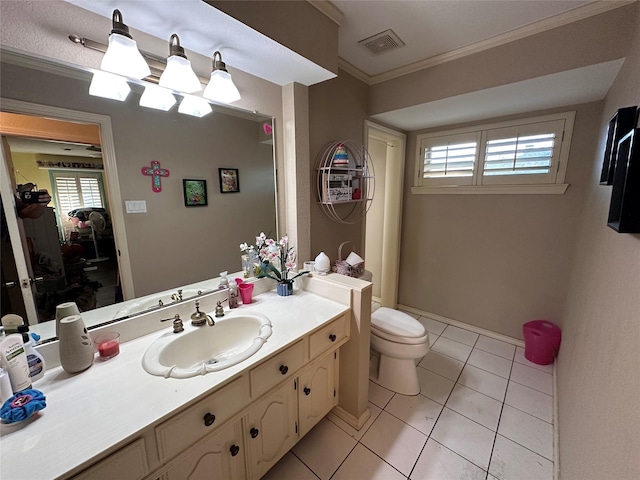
(171, 239)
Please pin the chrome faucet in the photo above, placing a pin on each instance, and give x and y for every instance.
(198, 318)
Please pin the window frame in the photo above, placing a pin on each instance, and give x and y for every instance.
(550, 183)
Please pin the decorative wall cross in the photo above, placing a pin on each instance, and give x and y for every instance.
(156, 172)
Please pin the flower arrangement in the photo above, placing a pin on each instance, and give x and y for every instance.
(276, 259)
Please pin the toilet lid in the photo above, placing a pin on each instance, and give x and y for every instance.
(396, 323)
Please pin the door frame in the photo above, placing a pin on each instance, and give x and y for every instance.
(110, 174)
(392, 224)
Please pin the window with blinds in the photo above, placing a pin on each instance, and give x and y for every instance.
(77, 190)
(531, 151)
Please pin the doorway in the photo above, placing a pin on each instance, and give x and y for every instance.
(97, 246)
(384, 218)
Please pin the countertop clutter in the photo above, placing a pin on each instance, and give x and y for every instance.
(97, 411)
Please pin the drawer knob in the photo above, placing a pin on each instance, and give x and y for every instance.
(235, 449)
(284, 369)
(254, 432)
(307, 390)
(209, 418)
(332, 337)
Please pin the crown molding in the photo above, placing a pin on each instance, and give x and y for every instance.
(574, 15)
(329, 9)
(354, 71)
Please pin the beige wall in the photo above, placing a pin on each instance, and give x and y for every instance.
(337, 110)
(494, 261)
(599, 362)
(172, 245)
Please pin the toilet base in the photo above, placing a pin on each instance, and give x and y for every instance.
(398, 375)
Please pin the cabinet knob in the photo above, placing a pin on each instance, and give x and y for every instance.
(254, 432)
(306, 390)
(284, 369)
(209, 418)
(332, 337)
(235, 449)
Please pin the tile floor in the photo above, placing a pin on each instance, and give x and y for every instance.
(484, 412)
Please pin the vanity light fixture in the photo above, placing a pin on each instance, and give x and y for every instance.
(195, 106)
(122, 56)
(109, 85)
(221, 88)
(178, 75)
(157, 97)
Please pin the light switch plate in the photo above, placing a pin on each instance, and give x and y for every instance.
(136, 206)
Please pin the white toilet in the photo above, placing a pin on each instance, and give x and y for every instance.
(400, 340)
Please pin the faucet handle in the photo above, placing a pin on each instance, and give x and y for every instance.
(177, 323)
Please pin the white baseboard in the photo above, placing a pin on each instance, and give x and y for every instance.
(466, 326)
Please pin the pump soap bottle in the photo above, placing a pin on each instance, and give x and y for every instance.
(34, 358)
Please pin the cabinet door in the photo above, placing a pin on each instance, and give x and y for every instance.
(317, 392)
(220, 456)
(270, 428)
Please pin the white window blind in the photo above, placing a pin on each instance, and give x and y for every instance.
(77, 190)
(449, 159)
(531, 151)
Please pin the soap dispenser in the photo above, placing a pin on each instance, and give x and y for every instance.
(34, 358)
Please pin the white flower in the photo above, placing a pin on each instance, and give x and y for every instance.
(244, 247)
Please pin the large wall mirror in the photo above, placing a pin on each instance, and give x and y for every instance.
(171, 244)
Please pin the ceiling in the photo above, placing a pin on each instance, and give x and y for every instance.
(52, 147)
(431, 29)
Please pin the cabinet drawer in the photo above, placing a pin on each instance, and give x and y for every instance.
(273, 371)
(128, 463)
(328, 336)
(175, 435)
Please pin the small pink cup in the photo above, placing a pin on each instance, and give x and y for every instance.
(246, 292)
(239, 281)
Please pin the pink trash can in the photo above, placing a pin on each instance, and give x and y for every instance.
(541, 341)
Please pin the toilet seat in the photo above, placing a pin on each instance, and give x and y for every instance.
(398, 327)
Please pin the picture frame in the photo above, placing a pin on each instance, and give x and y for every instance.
(229, 180)
(195, 192)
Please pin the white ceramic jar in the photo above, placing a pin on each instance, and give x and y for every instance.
(322, 264)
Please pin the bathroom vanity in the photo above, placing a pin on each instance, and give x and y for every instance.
(116, 421)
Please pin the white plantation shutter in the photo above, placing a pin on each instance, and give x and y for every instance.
(522, 154)
(77, 190)
(449, 159)
(90, 188)
(531, 151)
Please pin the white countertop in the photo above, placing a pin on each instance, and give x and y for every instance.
(106, 405)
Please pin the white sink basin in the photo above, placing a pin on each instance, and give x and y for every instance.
(153, 301)
(234, 338)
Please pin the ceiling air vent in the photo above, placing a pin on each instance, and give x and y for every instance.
(382, 42)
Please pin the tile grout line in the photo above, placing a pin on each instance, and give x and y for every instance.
(495, 437)
(443, 407)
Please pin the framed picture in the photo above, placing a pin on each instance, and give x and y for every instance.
(229, 181)
(195, 192)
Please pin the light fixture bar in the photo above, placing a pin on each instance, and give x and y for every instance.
(157, 65)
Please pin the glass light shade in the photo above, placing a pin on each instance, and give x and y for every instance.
(196, 106)
(108, 85)
(221, 88)
(122, 57)
(157, 97)
(179, 76)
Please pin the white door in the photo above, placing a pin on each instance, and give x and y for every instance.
(384, 219)
(18, 279)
